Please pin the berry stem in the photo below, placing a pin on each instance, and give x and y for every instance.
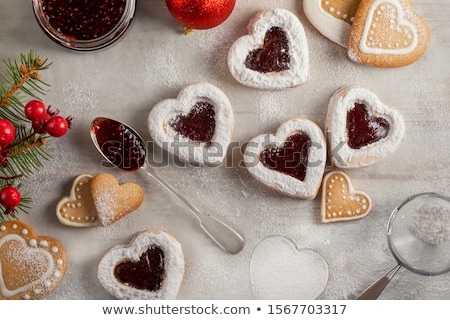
(34, 144)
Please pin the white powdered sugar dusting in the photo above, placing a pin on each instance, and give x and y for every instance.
(343, 155)
(298, 71)
(173, 265)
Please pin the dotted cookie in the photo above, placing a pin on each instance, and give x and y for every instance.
(31, 266)
(387, 33)
(332, 18)
(340, 201)
(77, 209)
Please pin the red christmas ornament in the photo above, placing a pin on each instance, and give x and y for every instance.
(200, 14)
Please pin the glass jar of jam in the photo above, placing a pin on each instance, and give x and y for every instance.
(84, 25)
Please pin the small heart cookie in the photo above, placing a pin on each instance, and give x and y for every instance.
(196, 126)
(77, 209)
(332, 18)
(340, 201)
(361, 129)
(31, 266)
(292, 161)
(112, 200)
(387, 33)
(150, 267)
(279, 270)
(275, 53)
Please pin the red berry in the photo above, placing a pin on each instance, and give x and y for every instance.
(7, 132)
(9, 197)
(35, 110)
(57, 126)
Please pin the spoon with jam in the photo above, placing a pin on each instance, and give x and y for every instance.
(124, 148)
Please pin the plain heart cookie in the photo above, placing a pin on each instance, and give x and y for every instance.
(151, 267)
(291, 161)
(332, 18)
(78, 209)
(340, 201)
(31, 266)
(112, 200)
(196, 126)
(361, 129)
(274, 55)
(387, 33)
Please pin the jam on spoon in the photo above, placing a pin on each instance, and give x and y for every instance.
(119, 144)
(291, 158)
(124, 148)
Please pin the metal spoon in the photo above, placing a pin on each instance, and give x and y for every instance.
(124, 148)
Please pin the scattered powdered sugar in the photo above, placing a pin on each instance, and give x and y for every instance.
(271, 106)
(173, 265)
(340, 103)
(298, 71)
(432, 223)
(280, 270)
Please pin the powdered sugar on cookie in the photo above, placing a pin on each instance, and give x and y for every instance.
(387, 33)
(291, 161)
(112, 200)
(361, 129)
(196, 126)
(31, 266)
(166, 268)
(274, 55)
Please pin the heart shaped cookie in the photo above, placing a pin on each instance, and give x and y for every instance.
(274, 55)
(112, 200)
(332, 18)
(279, 270)
(196, 126)
(292, 161)
(340, 201)
(361, 129)
(387, 33)
(151, 267)
(77, 209)
(31, 266)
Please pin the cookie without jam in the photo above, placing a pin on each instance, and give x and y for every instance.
(32, 266)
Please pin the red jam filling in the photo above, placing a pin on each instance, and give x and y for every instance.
(83, 19)
(273, 56)
(119, 144)
(291, 158)
(199, 125)
(363, 129)
(145, 274)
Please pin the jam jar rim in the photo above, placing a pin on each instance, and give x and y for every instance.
(96, 44)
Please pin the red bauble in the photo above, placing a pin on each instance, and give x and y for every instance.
(200, 14)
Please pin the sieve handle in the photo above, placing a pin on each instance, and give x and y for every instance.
(375, 289)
